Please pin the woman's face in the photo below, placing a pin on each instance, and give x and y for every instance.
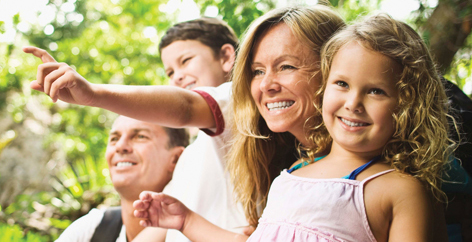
(284, 80)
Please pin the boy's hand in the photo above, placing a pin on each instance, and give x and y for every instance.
(160, 210)
(59, 80)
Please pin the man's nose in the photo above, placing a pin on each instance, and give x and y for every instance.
(123, 146)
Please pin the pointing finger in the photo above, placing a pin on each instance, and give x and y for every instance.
(40, 53)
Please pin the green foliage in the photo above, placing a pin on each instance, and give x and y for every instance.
(15, 233)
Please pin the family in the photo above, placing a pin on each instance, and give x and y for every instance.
(310, 130)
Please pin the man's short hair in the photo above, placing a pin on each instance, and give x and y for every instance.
(211, 32)
(177, 137)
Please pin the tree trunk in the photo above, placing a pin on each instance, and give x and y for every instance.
(447, 29)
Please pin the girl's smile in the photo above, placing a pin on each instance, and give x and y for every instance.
(360, 98)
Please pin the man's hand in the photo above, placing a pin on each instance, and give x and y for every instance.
(59, 80)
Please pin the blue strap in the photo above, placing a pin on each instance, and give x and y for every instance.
(298, 166)
(356, 172)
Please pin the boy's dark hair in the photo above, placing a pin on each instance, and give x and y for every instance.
(177, 137)
(211, 32)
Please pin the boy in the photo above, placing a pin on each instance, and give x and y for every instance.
(197, 53)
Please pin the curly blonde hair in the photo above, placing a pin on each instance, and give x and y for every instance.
(420, 145)
(257, 154)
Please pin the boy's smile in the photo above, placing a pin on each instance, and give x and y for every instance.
(190, 64)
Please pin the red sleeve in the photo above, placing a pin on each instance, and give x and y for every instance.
(217, 114)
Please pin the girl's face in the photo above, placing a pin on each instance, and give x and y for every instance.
(283, 81)
(359, 99)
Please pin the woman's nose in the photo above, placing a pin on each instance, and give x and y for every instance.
(270, 83)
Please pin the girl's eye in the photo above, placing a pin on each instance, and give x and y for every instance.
(342, 84)
(170, 74)
(377, 91)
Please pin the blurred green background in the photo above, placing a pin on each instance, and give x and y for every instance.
(52, 166)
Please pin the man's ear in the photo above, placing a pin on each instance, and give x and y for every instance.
(176, 152)
(227, 56)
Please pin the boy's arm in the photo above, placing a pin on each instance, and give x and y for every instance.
(160, 210)
(165, 105)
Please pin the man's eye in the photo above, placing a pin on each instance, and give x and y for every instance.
(140, 136)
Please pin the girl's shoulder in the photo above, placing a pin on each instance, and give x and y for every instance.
(398, 188)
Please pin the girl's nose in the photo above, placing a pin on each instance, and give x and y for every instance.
(354, 103)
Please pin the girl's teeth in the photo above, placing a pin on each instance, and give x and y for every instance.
(279, 105)
(352, 124)
(122, 164)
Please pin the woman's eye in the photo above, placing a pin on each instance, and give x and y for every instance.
(258, 73)
(287, 67)
(342, 84)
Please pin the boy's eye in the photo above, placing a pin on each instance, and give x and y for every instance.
(186, 59)
(342, 84)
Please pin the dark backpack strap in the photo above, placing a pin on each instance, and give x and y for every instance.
(110, 227)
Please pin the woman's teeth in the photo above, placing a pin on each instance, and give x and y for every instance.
(353, 124)
(122, 164)
(279, 105)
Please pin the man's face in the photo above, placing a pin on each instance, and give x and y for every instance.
(190, 64)
(138, 156)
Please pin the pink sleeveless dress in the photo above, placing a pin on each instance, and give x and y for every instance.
(316, 210)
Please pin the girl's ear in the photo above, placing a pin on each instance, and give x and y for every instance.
(227, 56)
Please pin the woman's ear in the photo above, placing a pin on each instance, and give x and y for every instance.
(227, 56)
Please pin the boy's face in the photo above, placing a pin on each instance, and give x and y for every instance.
(190, 64)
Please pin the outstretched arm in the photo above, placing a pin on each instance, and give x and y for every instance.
(160, 210)
(165, 105)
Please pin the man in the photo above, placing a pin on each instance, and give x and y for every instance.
(141, 156)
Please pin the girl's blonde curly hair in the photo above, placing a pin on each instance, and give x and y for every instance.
(421, 145)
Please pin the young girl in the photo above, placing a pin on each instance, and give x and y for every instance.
(385, 136)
